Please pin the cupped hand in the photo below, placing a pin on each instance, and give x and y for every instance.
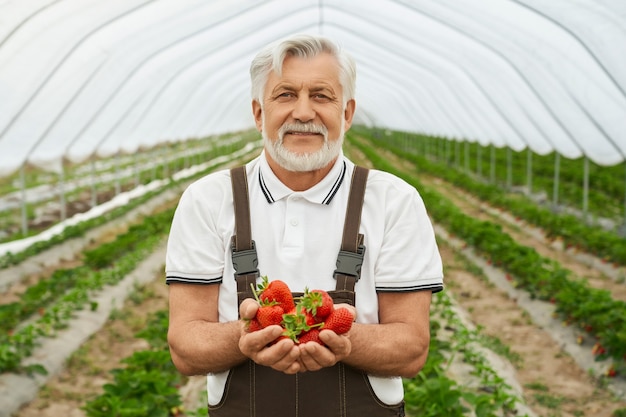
(314, 356)
(262, 345)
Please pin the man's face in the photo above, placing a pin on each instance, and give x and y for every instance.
(303, 118)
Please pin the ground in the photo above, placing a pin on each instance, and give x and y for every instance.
(554, 385)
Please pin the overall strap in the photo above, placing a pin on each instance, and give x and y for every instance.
(350, 257)
(243, 249)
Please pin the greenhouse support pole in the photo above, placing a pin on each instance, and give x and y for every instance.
(166, 164)
(406, 142)
(585, 187)
(624, 217)
(136, 169)
(529, 171)
(492, 167)
(23, 194)
(118, 187)
(509, 169)
(479, 160)
(439, 150)
(466, 161)
(555, 188)
(94, 195)
(62, 193)
(154, 165)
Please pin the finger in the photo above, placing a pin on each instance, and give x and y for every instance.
(350, 308)
(252, 343)
(283, 356)
(314, 356)
(248, 308)
(339, 345)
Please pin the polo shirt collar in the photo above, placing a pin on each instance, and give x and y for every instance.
(321, 193)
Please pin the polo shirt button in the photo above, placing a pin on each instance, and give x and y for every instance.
(294, 222)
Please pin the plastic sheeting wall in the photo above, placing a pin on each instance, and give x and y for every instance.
(88, 78)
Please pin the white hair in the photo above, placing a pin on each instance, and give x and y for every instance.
(271, 58)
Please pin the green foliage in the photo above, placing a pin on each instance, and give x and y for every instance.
(543, 278)
(148, 385)
(224, 147)
(619, 413)
(56, 300)
(433, 393)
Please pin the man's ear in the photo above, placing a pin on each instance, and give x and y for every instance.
(257, 112)
(348, 113)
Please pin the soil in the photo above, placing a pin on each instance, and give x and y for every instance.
(553, 383)
(88, 369)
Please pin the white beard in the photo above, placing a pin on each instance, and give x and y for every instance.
(303, 162)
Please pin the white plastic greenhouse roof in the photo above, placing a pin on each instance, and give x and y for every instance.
(88, 78)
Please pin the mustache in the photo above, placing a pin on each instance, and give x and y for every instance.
(303, 128)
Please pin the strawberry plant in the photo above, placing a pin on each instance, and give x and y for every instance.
(147, 385)
(434, 393)
(79, 229)
(22, 341)
(571, 229)
(543, 278)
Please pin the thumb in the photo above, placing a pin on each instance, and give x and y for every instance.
(248, 308)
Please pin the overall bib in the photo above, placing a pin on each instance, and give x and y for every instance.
(340, 391)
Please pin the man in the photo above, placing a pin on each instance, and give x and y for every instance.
(303, 102)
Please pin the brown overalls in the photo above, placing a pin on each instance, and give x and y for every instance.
(340, 391)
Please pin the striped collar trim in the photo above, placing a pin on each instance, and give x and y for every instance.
(315, 194)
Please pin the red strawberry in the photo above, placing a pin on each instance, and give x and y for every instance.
(317, 303)
(276, 290)
(339, 321)
(325, 306)
(312, 335)
(268, 315)
(254, 325)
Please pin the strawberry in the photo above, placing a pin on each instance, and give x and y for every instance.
(275, 290)
(268, 315)
(312, 335)
(317, 303)
(254, 325)
(339, 321)
(324, 304)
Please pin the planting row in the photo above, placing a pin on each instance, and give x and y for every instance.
(148, 384)
(525, 169)
(48, 305)
(52, 303)
(9, 258)
(592, 310)
(82, 188)
(604, 244)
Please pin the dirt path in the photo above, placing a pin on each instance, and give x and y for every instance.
(554, 384)
(528, 235)
(88, 369)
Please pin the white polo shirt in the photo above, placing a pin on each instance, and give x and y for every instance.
(298, 236)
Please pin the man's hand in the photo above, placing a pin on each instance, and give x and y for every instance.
(314, 356)
(282, 356)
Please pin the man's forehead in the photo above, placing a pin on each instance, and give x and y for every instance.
(297, 70)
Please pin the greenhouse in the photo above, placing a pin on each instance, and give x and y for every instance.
(507, 116)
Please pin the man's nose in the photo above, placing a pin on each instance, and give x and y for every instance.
(303, 110)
